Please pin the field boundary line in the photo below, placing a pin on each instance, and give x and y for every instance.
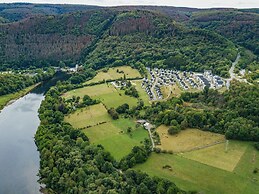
(201, 147)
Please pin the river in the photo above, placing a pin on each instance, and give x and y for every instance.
(19, 158)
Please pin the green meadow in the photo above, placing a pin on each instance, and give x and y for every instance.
(113, 136)
(106, 93)
(203, 172)
(115, 73)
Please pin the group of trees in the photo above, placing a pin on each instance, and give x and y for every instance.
(70, 164)
(12, 82)
(75, 102)
(132, 91)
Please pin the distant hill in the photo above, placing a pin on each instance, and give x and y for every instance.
(18, 11)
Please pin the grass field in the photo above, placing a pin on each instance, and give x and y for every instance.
(7, 98)
(171, 91)
(192, 175)
(112, 74)
(142, 93)
(114, 138)
(107, 93)
(89, 116)
(187, 139)
(217, 155)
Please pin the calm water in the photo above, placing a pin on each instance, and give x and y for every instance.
(19, 158)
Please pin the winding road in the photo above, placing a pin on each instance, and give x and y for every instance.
(232, 74)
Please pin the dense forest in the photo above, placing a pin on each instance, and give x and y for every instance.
(17, 11)
(70, 164)
(50, 40)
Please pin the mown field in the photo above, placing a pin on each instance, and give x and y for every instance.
(115, 73)
(89, 116)
(106, 93)
(219, 156)
(187, 139)
(189, 174)
(113, 136)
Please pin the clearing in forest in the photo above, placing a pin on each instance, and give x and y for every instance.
(193, 175)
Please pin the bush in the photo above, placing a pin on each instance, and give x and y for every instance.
(174, 130)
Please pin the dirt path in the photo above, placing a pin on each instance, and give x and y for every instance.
(151, 138)
(202, 147)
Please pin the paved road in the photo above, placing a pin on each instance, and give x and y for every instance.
(153, 88)
(233, 75)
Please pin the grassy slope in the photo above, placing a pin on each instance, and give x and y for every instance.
(112, 74)
(192, 175)
(107, 93)
(142, 93)
(7, 98)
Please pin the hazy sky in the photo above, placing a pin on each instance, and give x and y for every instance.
(184, 3)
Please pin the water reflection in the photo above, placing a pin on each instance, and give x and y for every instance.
(19, 159)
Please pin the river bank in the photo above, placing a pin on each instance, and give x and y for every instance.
(10, 98)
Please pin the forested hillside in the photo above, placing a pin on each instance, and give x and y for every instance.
(43, 40)
(170, 37)
(145, 38)
(240, 27)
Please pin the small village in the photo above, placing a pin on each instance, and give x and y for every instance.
(185, 80)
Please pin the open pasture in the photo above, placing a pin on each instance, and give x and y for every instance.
(113, 136)
(106, 93)
(88, 116)
(187, 140)
(115, 73)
